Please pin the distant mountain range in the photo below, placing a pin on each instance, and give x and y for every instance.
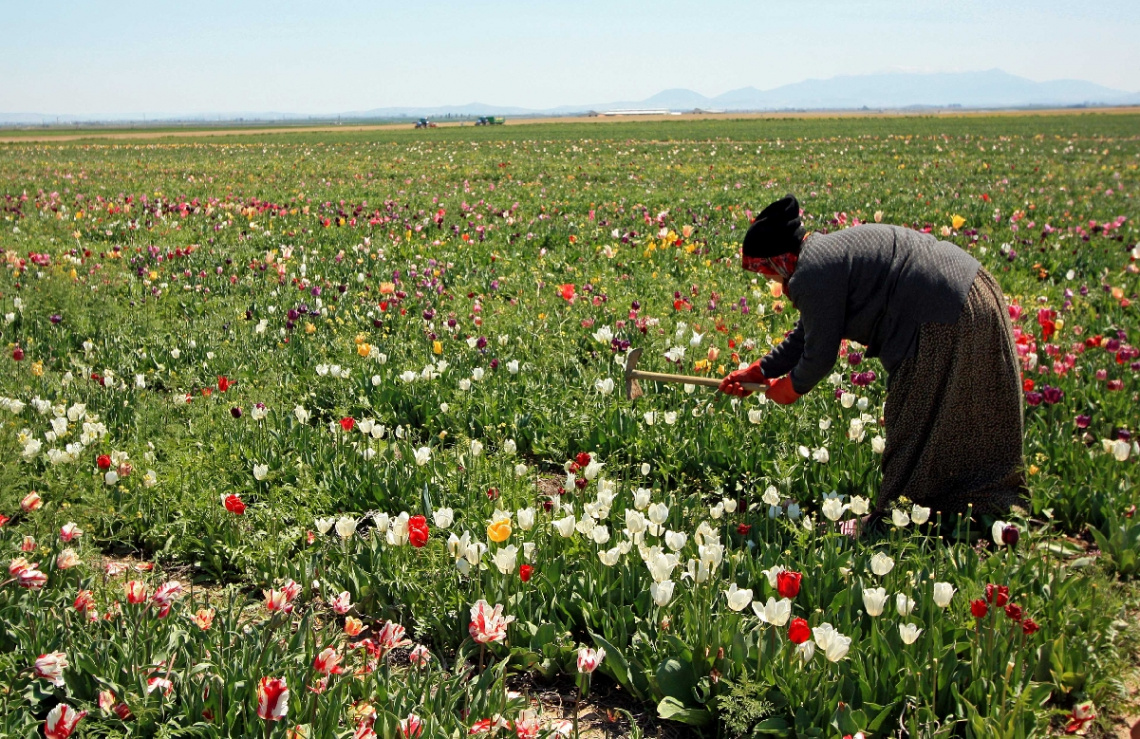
(990, 89)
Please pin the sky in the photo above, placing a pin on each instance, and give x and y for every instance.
(131, 58)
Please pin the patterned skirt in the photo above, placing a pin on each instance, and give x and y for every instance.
(954, 413)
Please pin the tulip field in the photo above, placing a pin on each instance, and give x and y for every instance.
(326, 435)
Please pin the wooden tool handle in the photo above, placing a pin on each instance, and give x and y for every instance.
(705, 381)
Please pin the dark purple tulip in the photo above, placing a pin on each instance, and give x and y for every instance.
(451, 322)
(1083, 421)
(316, 292)
(481, 343)
(1112, 345)
(838, 392)
(292, 315)
(289, 325)
(854, 359)
(1033, 398)
(494, 364)
(1084, 290)
(235, 411)
(377, 323)
(1052, 395)
(635, 305)
(56, 318)
(429, 314)
(1010, 535)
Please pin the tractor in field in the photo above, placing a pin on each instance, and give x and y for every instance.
(425, 123)
(490, 120)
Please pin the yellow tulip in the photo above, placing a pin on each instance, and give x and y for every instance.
(499, 531)
(957, 221)
(437, 347)
(363, 349)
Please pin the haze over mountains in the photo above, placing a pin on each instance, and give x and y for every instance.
(897, 90)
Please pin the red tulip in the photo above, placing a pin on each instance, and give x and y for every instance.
(272, 698)
(744, 529)
(418, 531)
(104, 462)
(224, 383)
(1029, 626)
(328, 662)
(582, 459)
(61, 721)
(525, 571)
(234, 504)
(979, 608)
(136, 592)
(411, 727)
(18, 354)
(998, 594)
(347, 423)
(799, 631)
(1014, 612)
(788, 583)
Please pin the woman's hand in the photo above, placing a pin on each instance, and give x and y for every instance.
(781, 391)
(731, 384)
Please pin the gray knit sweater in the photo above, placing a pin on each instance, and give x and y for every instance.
(872, 284)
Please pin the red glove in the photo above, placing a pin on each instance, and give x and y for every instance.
(730, 385)
(781, 391)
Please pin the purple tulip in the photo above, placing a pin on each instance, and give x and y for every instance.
(1052, 395)
(1033, 397)
(1083, 421)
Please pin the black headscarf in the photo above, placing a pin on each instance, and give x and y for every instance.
(777, 230)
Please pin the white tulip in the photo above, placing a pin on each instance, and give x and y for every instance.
(919, 514)
(909, 633)
(661, 592)
(506, 558)
(899, 518)
(755, 416)
(345, 526)
(600, 534)
(513, 366)
(443, 517)
(635, 521)
(477, 374)
(301, 414)
(806, 651)
(670, 417)
(465, 384)
(645, 469)
(383, 521)
(526, 518)
(771, 496)
(260, 471)
(564, 526)
(878, 444)
(729, 505)
(592, 469)
(903, 604)
(609, 557)
(774, 612)
(604, 386)
(738, 598)
(423, 456)
(874, 599)
(1121, 450)
(675, 540)
(838, 647)
(821, 455)
(520, 469)
(833, 510)
(881, 564)
(847, 400)
(658, 513)
(859, 505)
(650, 418)
(640, 498)
(509, 446)
(476, 447)
(324, 525)
(943, 592)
